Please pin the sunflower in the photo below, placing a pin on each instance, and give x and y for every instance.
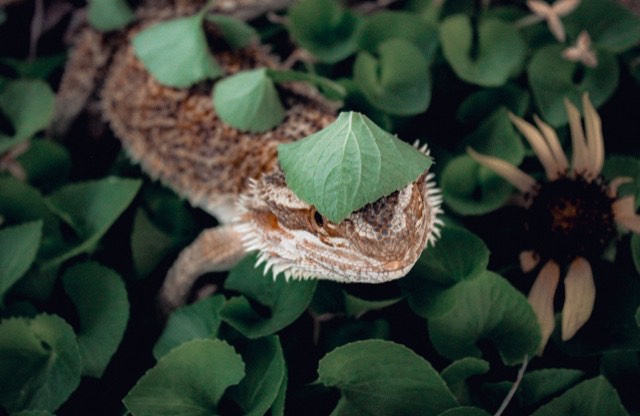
(570, 218)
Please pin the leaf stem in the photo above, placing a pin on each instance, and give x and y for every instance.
(515, 386)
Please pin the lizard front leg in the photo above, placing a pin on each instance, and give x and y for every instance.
(215, 249)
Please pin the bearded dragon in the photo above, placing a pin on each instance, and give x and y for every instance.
(177, 138)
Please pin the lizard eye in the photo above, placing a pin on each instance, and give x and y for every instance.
(317, 218)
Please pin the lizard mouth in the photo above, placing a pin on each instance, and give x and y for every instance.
(293, 239)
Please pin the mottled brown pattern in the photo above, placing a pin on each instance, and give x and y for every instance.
(177, 137)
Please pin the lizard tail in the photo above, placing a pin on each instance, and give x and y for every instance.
(215, 249)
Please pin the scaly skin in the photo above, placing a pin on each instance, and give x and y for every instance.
(177, 137)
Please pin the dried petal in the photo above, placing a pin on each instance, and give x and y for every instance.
(580, 295)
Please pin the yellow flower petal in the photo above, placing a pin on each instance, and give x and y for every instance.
(580, 153)
(541, 299)
(554, 144)
(529, 259)
(624, 212)
(539, 146)
(579, 297)
(510, 173)
(595, 142)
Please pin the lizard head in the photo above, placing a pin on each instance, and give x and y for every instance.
(378, 243)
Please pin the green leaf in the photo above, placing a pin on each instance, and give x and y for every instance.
(617, 33)
(481, 104)
(391, 85)
(188, 381)
(471, 189)
(18, 248)
(496, 136)
(385, 25)
(380, 377)
(176, 52)
(500, 50)
(236, 33)
(591, 397)
(196, 321)
(277, 408)
(40, 363)
(465, 411)
(40, 67)
(3, 16)
(459, 255)
(331, 89)
(248, 101)
(624, 166)
(324, 28)
(550, 87)
(90, 208)
(47, 164)
(108, 15)
(265, 368)
(541, 385)
(285, 301)
(349, 164)
(100, 298)
(33, 413)
(487, 307)
(149, 244)
(356, 307)
(28, 104)
(635, 251)
(457, 373)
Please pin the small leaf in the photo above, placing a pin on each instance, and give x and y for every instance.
(349, 164)
(324, 28)
(108, 15)
(457, 373)
(20, 203)
(18, 248)
(265, 373)
(28, 104)
(385, 25)
(285, 301)
(459, 255)
(149, 244)
(465, 411)
(481, 104)
(47, 164)
(196, 321)
(471, 189)
(40, 67)
(391, 85)
(356, 307)
(551, 87)
(487, 307)
(592, 397)
(236, 33)
(500, 50)
(176, 52)
(100, 298)
(189, 380)
(617, 33)
(541, 385)
(90, 208)
(40, 363)
(380, 377)
(248, 101)
(331, 89)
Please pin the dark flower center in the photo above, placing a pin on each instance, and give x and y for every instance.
(570, 217)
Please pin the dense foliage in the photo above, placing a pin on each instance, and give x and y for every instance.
(86, 238)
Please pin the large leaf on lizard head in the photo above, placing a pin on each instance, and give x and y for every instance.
(349, 164)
